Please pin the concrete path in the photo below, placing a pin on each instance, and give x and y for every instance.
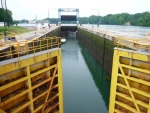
(139, 42)
(28, 36)
(35, 34)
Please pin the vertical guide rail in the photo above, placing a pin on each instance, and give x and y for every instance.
(40, 44)
(10, 51)
(60, 81)
(26, 44)
(30, 89)
(47, 43)
(104, 51)
(33, 48)
(18, 52)
(113, 84)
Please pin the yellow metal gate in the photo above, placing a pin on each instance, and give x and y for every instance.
(33, 83)
(130, 84)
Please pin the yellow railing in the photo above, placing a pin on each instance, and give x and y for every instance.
(17, 49)
(133, 43)
(34, 84)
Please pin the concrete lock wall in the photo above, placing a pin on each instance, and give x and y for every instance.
(56, 32)
(101, 48)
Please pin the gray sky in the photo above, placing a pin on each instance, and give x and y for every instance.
(28, 9)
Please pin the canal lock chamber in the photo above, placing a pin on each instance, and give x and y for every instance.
(100, 48)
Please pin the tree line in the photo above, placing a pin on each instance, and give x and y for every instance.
(138, 19)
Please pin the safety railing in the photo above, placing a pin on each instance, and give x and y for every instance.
(17, 49)
(133, 43)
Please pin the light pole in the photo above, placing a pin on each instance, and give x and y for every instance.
(36, 21)
(3, 12)
(98, 16)
(6, 15)
(49, 15)
(93, 15)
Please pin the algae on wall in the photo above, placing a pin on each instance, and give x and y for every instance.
(55, 32)
(95, 45)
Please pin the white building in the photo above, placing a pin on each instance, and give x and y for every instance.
(1, 23)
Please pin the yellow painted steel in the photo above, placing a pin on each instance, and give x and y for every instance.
(130, 83)
(33, 84)
(1, 111)
(28, 47)
(133, 43)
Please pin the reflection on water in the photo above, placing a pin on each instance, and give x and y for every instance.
(100, 76)
(86, 85)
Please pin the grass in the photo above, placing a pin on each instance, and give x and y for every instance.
(17, 30)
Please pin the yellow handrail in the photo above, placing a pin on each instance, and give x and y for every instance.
(133, 43)
(28, 47)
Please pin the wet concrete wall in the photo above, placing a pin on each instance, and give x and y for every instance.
(56, 32)
(101, 48)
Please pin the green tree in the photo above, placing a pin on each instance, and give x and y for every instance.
(146, 20)
(114, 19)
(16, 22)
(24, 21)
(121, 20)
(106, 19)
(83, 20)
(52, 20)
(6, 16)
(93, 19)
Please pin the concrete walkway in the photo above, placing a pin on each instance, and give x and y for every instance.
(28, 36)
(139, 42)
(35, 34)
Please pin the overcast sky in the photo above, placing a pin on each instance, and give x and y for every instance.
(28, 9)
